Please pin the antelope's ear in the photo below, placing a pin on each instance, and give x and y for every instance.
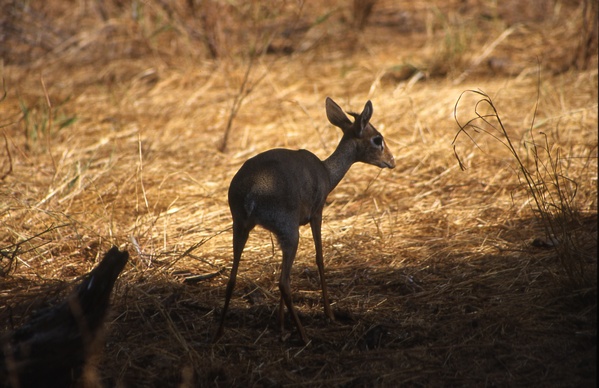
(336, 116)
(365, 115)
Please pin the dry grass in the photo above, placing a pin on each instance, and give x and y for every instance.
(111, 128)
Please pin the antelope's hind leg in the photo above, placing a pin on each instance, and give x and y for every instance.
(289, 242)
(241, 232)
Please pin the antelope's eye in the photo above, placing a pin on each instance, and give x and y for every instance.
(377, 141)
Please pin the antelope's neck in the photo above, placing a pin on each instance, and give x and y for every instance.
(340, 161)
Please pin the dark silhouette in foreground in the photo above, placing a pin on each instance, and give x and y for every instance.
(51, 349)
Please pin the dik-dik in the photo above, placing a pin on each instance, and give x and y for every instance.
(282, 189)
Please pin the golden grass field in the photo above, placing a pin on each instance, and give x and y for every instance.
(123, 124)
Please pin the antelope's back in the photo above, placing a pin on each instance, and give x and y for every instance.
(279, 181)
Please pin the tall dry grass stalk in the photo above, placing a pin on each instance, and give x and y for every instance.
(6, 167)
(540, 170)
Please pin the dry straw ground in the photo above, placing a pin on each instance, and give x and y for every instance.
(113, 128)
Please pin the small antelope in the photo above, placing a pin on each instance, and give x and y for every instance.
(282, 189)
